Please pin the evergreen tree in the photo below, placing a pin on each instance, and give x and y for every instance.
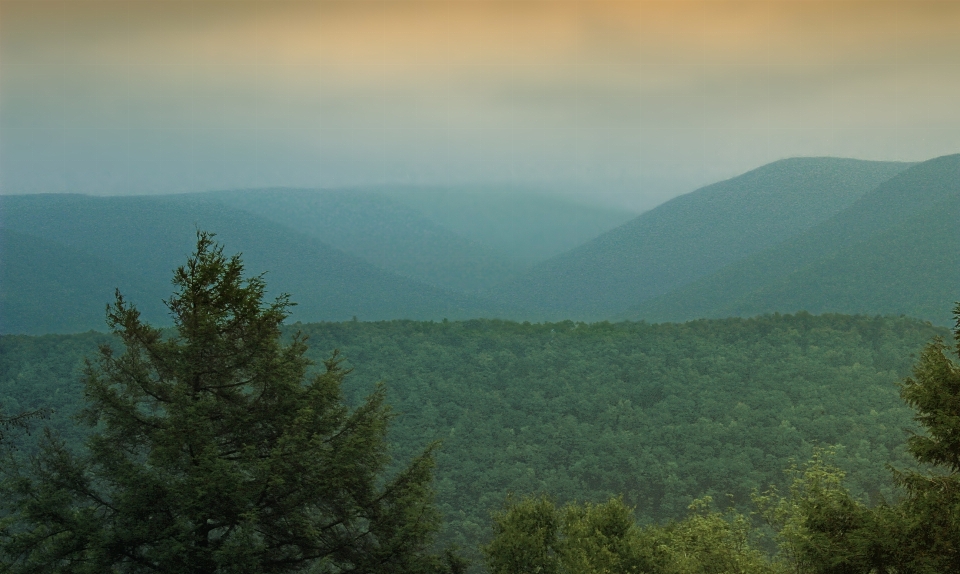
(213, 450)
(932, 505)
(19, 421)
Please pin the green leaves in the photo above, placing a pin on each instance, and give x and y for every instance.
(934, 392)
(533, 535)
(932, 505)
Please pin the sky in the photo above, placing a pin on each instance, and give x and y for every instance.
(624, 102)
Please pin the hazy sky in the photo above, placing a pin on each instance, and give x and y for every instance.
(628, 101)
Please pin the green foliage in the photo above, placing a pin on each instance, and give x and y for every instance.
(210, 453)
(932, 505)
(710, 542)
(822, 529)
(534, 535)
(526, 538)
(663, 414)
(18, 421)
(934, 392)
(660, 413)
(42, 374)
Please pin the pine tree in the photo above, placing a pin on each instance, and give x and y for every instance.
(932, 506)
(213, 450)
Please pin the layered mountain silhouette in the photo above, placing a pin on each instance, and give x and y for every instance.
(382, 231)
(895, 251)
(63, 255)
(466, 240)
(804, 234)
(692, 236)
(525, 224)
(47, 287)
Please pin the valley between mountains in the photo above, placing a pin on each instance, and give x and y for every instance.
(812, 234)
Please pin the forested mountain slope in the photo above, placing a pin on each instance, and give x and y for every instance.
(382, 231)
(134, 242)
(47, 287)
(896, 250)
(694, 235)
(659, 413)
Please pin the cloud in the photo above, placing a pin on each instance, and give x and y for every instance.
(436, 90)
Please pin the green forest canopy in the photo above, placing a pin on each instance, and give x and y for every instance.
(661, 414)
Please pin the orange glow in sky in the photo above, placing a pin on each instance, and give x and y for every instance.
(632, 100)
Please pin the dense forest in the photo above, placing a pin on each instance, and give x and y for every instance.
(658, 414)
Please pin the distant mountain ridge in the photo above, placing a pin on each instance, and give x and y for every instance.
(896, 250)
(693, 235)
(134, 242)
(467, 240)
(803, 234)
(48, 287)
(382, 231)
(527, 225)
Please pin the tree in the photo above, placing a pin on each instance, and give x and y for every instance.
(932, 505)
(532, 535)
(213, 450)
(525, 538)
(822, 529)
(19, 421)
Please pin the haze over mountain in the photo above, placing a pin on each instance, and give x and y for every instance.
(465, 240)
(526, 224)
(896, 250)
(381, 231)
(693, 235)
(811, 234)
(134, 242)
(48, 287)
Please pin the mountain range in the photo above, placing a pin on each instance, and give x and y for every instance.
(694, 235)
(64, 255)
(896, 250)
(464, 240)
(813, 234)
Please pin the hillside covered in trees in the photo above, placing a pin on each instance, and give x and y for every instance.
(659, 414)
(694, 235)
(895, 250)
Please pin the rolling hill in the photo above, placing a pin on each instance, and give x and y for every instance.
(48, 287)
(382, 231)
(814, 234)
(694, 235)
(895, 250)
(464, 239)
(62, 252)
